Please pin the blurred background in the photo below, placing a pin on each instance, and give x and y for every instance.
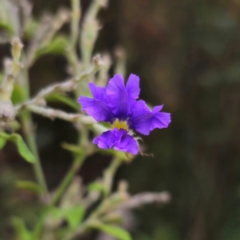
(187, 54)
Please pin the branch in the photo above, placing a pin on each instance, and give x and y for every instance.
(66, 86)
(52, 114)
(145, 198)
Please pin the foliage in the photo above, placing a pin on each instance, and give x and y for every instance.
(72, 209)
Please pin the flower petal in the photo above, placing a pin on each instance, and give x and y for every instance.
(97, 92)
(127, 144)
(117, 139)
(143, 120)
(97, 109)
(107, 139)
(132, 86)
(139, 108)
(119, 100)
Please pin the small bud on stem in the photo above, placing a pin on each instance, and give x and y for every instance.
(16, 49)
(12, 69)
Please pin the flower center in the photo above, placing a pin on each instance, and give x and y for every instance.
(120, 125)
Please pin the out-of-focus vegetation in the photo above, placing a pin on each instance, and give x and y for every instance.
(188, 56)
(72, 208)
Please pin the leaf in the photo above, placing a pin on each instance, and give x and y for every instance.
(75, 215)
(67, 100)
(21, 230)
(57, 46)
(119, 154)
(1, 77)
(7, 27)
(3, 141)
(72, 148)
(97, 186)
(21, 146)
(28, 185)
(114, 231)
(18, 94)
(31, 29)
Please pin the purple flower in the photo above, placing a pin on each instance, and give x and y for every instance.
(118, 105)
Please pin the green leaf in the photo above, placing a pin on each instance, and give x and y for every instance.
(28, 185)
(31, 29)
(7, 27)
(97, 186)
(72, 148)
(119, 154)
(75, 215)
(18, 94)
(57, 46)
(67, 100)
(21, 146)
(114, 231)
(3, 141)
(1, 77)
(20, 228)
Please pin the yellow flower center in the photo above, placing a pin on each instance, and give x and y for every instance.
(120, 125)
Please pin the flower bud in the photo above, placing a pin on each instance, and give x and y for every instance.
(16, 49)
(97, 61)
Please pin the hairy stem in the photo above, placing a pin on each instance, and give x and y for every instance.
(109, 174)
(27, 126)
(67, 179)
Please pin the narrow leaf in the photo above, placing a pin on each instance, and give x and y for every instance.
(114, 231)
(75, 215)
(64, 99)
(18, 94)
(57, 46)
(97, 186)
(21, 146)
(3, 141)
(28, 185)
(20, 228)
(72, 148)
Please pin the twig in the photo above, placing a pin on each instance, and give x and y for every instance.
(52, 114)
(145, 198)
(65, 86)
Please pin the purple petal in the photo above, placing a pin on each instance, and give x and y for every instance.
(139, 108)
(107, 139)
(127, 144)
(97, 109)
(117, 139)
(120, 101)
(97, 92)
(157, 108)
(132, 87)
(143, 120)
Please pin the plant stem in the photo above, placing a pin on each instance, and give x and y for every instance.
(27, 126)
(108, 179)
(77, 162)
(109, 174)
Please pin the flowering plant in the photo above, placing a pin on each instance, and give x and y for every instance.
(72, 209)
(119, 106)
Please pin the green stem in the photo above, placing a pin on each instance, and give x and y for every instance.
(108, 180)
(109, 174)
(67, 179)
(27, 126)
(59, 192)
